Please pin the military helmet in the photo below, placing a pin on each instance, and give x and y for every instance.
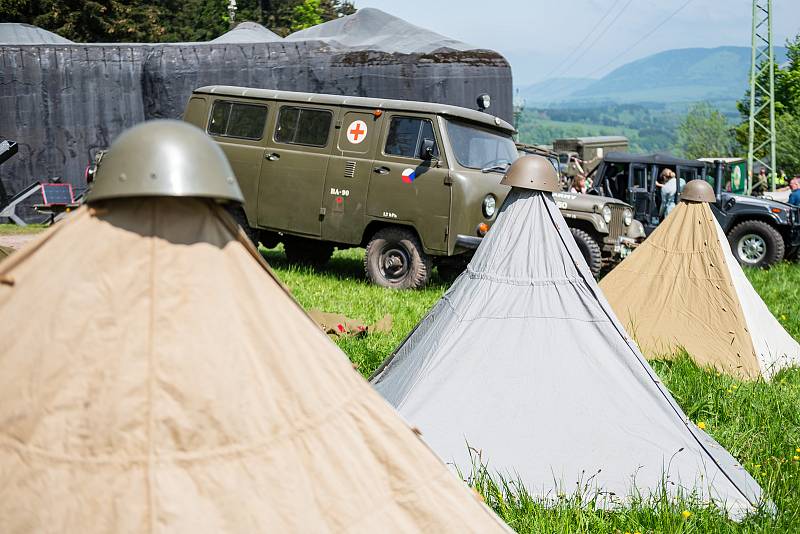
(698, 191)
(164, 158)
(532, 172)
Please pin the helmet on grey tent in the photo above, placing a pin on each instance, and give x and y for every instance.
(532, 172)
(698, 191)
(164, 158)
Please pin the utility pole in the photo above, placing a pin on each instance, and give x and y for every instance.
(232, 13)
(762, 65)
(519, 107)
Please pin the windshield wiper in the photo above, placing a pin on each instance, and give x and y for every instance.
(496, 168)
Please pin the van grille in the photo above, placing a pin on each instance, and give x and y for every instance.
(350, 169)
(617, 226)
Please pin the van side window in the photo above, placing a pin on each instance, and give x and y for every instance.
(406, 135)
(233, 119)
(303, 126)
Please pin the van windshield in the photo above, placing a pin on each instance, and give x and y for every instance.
(479, 148)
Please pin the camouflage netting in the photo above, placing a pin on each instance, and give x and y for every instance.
(63, 101)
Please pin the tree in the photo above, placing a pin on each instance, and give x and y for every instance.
(306, 14)
(787, 148)
(155, 21)
(705, 132)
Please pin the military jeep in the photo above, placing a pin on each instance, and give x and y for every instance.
(603, 227)
(760, 231)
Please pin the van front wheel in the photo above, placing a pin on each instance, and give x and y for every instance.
(395, 259)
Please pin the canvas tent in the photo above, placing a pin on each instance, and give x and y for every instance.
(682, 288)
(375, 30)
(247, 32)
(523, 360)
(25, 34)
(172, 384)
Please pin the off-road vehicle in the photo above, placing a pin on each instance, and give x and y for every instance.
(417, 184)
(761, 232)
(603, 227)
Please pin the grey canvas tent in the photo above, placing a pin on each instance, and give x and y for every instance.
(523, 360)
(372, 29)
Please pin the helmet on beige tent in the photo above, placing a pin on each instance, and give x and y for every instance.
(698, 191)
(164, 158)
(532, 172)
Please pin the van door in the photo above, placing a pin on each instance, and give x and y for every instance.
(406, 188)
(239, 128)
(639, 196)
(293, 172)
(345, 197)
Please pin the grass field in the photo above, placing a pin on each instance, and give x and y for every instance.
(758, 423)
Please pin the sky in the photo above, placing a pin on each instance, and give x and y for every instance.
(588, 38)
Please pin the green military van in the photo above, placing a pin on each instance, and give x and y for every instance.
(415, 183)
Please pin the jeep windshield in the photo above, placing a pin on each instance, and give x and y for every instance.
(480, 148)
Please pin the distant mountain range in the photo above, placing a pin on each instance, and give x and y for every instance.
(673, 76)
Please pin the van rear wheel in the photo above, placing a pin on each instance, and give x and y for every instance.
(395, 259)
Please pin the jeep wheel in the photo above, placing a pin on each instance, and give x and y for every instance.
(307, 251)
(756, 244)
(590, 250)
(238, 215)
(395, 259)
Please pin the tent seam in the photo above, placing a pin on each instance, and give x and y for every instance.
(151, 381)
(323, 419)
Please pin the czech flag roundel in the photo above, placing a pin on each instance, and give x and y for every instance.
(408, 176)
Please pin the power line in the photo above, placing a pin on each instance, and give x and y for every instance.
(585, 38)
(603, 32)
(645, 36)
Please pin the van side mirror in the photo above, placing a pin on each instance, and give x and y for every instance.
(426, 150)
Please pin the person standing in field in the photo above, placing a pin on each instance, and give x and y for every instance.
(794, 196)
(669, 191)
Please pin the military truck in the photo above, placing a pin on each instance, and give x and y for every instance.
(588, 151)
(603, 227)
(417, 184)
(760, 231)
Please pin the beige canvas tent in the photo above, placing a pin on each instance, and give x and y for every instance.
(682, 288)
(155, 377)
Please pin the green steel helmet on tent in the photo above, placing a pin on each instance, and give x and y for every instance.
(532, 172)
(698, 191)
(164, 158)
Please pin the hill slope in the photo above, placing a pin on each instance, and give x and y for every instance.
(681, 75)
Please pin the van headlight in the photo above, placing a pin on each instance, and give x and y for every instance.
(606, 214)
(489, 206)
(627, 217)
